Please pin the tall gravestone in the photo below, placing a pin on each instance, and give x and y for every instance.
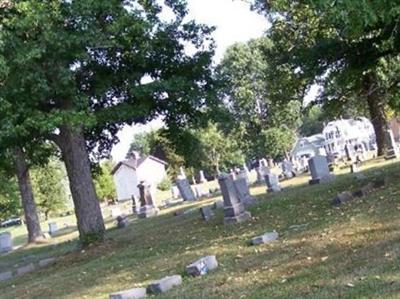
(202, 178)
(287, 169)
(319, 168)
(392, 151)
(5, 242)
(243, 191)
(272, 182)
(243, 174)
(185, 190)
(234, 211)
(147, 205)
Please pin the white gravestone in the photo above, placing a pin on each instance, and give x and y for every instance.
(5, 242)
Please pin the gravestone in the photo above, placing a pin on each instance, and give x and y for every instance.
(219, 204)
(115, 212)
(202, 178)
(185, 190)
(265, 238)
(206, 213)
(246, 170)
(135, 204)
(175, 192)
(48, 261)
(287, 169)
(147, 205)
(52, 228)
(243, 174)
(319, 168)
(243, 192)
(137, 293)
(122, 221)
(5, 275)
(392, 151)
(349, 152)
(272, 182)
(354, 168)
(25, 269)
(234, 211)
(199, 191)
(165, 284)
(232, 174)
(6, 244)
(202, 266)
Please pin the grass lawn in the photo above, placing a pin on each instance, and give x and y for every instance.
(351, 251)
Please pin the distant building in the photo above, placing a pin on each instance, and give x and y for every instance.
(129, 173)
(309, 147)
(354, 132)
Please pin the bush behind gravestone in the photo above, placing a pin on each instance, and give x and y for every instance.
(165, 184)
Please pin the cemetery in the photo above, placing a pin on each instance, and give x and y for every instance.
(199, 149)
(320, 227)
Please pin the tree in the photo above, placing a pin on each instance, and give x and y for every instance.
(85, 68)
(27, 197)
(216, 151)
(312, 121)
(9, 196)
(104, 183)
(140, 143)
(48, 187)
(246, 78)
(339, 45)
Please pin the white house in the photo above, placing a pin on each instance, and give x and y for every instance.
(309, 147)
(357, 131)
(129, 173)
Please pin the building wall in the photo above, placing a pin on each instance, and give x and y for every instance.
(126, 182)
(151, 171)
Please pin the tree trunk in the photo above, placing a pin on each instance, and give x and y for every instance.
(376, 107)
(87, 208)
(28, 203)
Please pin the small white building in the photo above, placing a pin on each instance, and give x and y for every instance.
(129, 173)
(309, 147)
(357, 131)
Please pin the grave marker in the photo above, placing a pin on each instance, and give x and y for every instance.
(202, 266)
(137, 293)
(272, 182)
(234, 211)
(165, 284)
(147, 206)
(185, 190)
(243, 192)
(6, 243)
(319, 168)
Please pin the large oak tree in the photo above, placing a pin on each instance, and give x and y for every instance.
(74, 72)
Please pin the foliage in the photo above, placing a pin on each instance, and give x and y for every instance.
(246, 77)
(165, 184)
(48, 183)
(342, 46)
(104, 182)
(140, 143)
(9, 197)
(313, 122)
(216, 151)
(277, 142)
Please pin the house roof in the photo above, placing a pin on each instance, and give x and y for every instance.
(134, 164)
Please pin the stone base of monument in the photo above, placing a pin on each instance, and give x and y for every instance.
(325, 179)
(202, 266)
(136, 293)
(265, 238)
(391, 154)
(148, 211)
(245, 216)
(165, 284)
(275, 188)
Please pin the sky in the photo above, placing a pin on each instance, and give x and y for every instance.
(234, 23)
